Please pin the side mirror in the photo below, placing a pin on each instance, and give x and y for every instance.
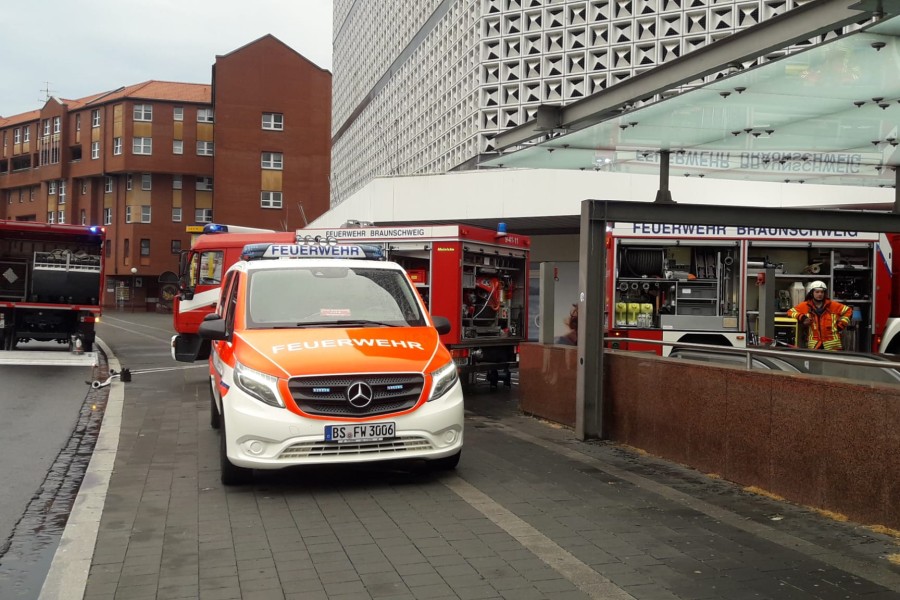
(212, 328)
(442, 324)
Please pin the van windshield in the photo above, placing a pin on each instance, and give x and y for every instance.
(331, 296)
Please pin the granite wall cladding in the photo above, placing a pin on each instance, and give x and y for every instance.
(821, 442)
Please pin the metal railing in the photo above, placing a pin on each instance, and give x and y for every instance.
(790, 356)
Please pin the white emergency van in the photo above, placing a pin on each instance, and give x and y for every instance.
(323, 354)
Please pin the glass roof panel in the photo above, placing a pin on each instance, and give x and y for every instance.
(828, 114)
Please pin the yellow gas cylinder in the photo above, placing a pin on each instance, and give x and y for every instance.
(621, 310)
(646, 314)
(633, 309)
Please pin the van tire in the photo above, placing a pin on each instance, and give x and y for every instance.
(230, 474)
(213, 409)
(447, 463)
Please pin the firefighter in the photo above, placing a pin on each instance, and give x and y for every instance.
(825, 318)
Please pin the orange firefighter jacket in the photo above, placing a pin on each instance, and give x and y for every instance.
(825, 323)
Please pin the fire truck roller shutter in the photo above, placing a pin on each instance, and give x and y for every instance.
(642, 262)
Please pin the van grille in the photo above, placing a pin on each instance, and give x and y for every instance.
(386, 448)
(391, 392)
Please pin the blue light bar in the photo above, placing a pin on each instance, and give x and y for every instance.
(95, 229)
(215, 228)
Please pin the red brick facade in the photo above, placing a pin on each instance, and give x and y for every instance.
(145, 159)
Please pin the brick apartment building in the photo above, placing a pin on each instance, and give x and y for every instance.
(151, 161)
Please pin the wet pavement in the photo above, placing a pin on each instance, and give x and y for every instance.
(531, 512)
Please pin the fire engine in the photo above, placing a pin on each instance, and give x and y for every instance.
(703, 284)
(50, 283)
(473, 276)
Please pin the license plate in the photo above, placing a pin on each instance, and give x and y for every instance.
(359, 432)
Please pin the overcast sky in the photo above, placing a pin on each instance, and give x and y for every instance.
(82, 47)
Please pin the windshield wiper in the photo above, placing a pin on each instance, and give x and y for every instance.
(347, 323)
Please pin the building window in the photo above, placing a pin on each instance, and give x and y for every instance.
(83, 187)
(78, 122)
(95, 150)
(117, 146)
(17, 136)
(146, 182)
(31, 198)
(51, 188)
(57, 125)
(272, 160)
(109, 185)
(176, 214)
(204, 184)
(128, 214)
(107, 216)
(83, 217)
(176, 247)
(126, 249)
(204, 148)
(46, 124)
(176, 182)
(145, 247)
(177, 147)
(178, 113)
(273, 121)
(51, 217)
(95, 117)
(143, 112)
(270, 199)
(145, 213)
(26, 134)
(142, 145)
(61, 217)
(204, 115)
(62, 191)
(129, 181)
(203, 215)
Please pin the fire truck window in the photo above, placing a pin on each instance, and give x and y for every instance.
(210, 268)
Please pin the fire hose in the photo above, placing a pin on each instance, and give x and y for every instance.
(125, 375)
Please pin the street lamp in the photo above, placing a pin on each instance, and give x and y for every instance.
(133, 279)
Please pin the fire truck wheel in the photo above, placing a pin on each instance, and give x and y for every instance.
(9, 340)
(493, 378)
(445, 464)
(213, 409)
(231, 474)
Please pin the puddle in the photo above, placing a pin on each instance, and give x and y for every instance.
(26, 556)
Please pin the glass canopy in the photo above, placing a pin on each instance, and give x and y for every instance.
(829, 115)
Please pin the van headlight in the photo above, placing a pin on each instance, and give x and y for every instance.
(443, 380)
(261, 386)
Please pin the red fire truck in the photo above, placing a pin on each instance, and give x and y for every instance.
(475, 277)
(702, 284)
(51, 280)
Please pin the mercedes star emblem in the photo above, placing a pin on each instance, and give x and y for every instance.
(359, 394)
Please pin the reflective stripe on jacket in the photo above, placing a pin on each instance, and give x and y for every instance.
(824, 327)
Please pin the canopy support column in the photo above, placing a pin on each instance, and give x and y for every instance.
(663, 194)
